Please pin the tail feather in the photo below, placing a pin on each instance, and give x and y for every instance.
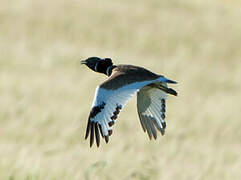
(162, 85)
(170, 81)
(167, 90)
(171, 91)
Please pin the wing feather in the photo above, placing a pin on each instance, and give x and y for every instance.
(97, 135)
(106, 108)
(92, 134)
(108, 103)
(151, 110)
(148, 127)
(142, 122)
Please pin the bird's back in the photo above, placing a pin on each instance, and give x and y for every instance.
(126, 74)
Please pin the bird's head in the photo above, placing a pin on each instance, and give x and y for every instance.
(97, 64)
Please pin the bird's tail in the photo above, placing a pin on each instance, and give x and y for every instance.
(162, 85)
(170, 81)
(167, 90)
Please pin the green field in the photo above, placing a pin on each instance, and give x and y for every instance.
(46, 96)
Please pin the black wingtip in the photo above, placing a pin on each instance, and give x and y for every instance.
(87, 130)
(92, 132)
(97, 135)
(106, 139)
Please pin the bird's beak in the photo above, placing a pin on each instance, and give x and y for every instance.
(83, 62)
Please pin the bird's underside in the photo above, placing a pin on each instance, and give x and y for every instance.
(112, 95)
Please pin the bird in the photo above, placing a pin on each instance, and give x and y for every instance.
(124, 81)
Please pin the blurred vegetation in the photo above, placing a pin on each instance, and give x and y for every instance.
(46, 95)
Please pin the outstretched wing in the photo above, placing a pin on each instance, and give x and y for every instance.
(106, 107)
(151, 105)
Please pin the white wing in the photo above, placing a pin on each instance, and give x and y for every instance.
(106, 107)
(151, 103)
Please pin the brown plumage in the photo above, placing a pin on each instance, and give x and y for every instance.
(127, 74)
(112, 95)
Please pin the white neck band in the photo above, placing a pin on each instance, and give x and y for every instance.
(96, 66)
(107, 70)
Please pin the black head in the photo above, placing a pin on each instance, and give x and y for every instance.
(97, 64)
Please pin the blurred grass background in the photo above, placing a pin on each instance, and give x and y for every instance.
(45, 95)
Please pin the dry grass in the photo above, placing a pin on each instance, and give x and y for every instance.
(46, 95)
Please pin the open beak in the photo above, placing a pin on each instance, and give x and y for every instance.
(83, 62)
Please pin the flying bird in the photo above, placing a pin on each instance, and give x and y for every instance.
(112, 95)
